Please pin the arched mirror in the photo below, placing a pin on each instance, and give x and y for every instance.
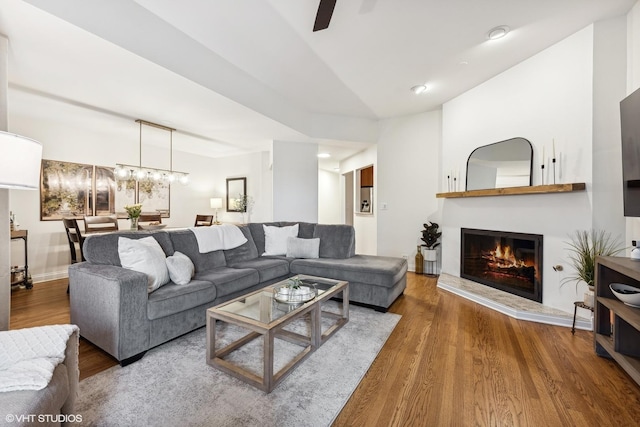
(500, 165)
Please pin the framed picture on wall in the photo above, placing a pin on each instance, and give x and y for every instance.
(65, 190)
(103, 201)
(74, 190)
(155, 197)
(126, 194)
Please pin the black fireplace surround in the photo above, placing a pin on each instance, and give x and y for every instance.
(511, 262)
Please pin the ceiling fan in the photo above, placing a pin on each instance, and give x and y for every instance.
(323, 17)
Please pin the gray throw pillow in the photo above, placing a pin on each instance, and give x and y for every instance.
(303, 248)
(181, 268)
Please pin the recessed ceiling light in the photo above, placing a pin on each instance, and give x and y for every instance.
(418, 89)
(324, 155)
(498, 32)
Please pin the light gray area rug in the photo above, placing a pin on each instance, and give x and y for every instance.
(173, 385)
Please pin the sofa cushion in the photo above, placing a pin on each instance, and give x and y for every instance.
(245, 252)
(172, 298)
(336, 240)
(103, 248)
(276, 238)
(268, 268)
(303, 248)
(229, 280)
(180, 267)
(146, 256)
(373, 270)
(305, 230)
(185, 241)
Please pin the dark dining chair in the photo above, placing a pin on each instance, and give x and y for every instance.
(93, 224)
(149, 218)
(74, 236)
(203, 220)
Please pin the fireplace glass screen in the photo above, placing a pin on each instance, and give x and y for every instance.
(511, 262)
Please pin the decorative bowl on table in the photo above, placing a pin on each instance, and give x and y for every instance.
(629, 295)
(290, 295)
(152, 226)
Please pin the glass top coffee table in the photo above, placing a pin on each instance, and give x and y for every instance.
(266, 313)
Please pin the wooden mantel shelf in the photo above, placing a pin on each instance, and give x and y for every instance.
(512, 191)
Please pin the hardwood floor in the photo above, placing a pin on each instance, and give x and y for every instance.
(449, 362)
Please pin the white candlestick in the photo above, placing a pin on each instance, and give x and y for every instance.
(554, 148)
(543, 155)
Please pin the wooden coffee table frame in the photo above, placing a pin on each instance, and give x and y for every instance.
(269, 331)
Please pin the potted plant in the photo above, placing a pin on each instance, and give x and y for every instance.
(584, 247)
(430, 237)
(134, 211)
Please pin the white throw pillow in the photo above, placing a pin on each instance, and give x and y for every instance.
(146, 256)
(303, 248)
(275, 239)
(181, 268)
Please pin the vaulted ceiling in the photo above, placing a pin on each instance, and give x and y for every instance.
(233, 75)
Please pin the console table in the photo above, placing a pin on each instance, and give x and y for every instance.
(22, 235)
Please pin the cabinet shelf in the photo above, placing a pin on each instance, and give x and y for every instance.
(629, 363)
(513, 191)
(617, 325)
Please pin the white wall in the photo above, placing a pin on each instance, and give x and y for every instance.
(407, 180)
(365, 225)
(609, 88)
(330, 201)
(86, 136)
(548, 96)
(295, 181)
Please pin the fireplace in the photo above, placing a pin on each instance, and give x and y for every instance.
(511, 262)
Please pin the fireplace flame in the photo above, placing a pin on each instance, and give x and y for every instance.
(504, 258)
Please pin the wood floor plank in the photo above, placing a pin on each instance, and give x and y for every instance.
(449, 362)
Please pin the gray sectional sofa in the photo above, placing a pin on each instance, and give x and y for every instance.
(114, 310)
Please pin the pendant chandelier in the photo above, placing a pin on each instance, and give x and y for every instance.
(142, 173)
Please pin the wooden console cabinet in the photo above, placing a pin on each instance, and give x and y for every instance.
(617, 325)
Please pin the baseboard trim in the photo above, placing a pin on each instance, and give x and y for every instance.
(45, 277)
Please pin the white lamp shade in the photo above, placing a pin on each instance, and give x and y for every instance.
(216, 203)
(19, 162)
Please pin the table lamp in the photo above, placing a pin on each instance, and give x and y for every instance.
(216, 203)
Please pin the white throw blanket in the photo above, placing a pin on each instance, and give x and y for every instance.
(29, 356)
(216, 237)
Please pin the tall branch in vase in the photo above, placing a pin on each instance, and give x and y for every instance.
(244, 204)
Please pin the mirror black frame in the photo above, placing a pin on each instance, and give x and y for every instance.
(230, 199)
(493, 144)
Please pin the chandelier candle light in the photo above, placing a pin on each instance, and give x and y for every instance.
(140, 173)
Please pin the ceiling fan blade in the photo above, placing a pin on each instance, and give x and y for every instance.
(323, 17)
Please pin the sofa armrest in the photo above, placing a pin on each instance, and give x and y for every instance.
(73, 372)
(109, 305)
